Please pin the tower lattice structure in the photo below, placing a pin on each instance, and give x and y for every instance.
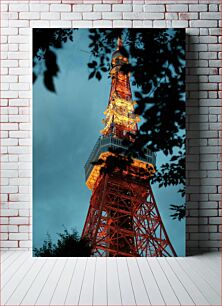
(123, 218)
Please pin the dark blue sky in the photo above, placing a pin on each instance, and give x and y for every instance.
(66, 126)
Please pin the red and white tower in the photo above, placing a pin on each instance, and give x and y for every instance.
(123, 218)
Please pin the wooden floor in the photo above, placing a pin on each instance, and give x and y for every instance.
(110, 281)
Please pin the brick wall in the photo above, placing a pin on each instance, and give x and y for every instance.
(202, 21)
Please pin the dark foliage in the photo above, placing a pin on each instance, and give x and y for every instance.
(68, 245)
(180, 211)
(44, 43)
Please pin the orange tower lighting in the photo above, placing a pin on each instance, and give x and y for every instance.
(123, 218)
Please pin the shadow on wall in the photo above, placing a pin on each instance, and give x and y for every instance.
(198, 223)
(192, 148)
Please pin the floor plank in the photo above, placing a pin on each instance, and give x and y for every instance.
(47, 292)
(166, 289)
(178, 287)
(62, 288)
(86, 294)
(153, 290)
(100, 283)
(13, 269)
(4, 255)
(10, 261)
(17, 278)
(126, 289)
(188, 283)
(113, 285)
(18, 294)
(208, 292)
(75, 286)
(141, 295)
(212, 278)
(38, 284)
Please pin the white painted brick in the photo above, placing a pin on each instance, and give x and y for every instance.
(24, 229)
(71, 16)
(177, 8)
(187, 16)
(203, 23)
(29, 15)
(50, 16)
(8, 244)
(4, 134)
(94, 15)
(9, 173)
(38, 24)
(137, 7)
(24, 165)
(171, 16)
(25, 158)
(9, 212)
(9, 228)
(9, 165)
(9, 15)
(179, 23)
(9, 94)
(18, 71)
(209, 15)
(18, 23)
(19, 118)
(162, 24)
(24, 212)
(18, 236)
(25, 31)
(9, 142)
(25, 244)
(19, 181)
(213, 7)
(9, 63)
(19, 102)
(18, 150)
(215, 78)
(122, 23)
(9, 79)
(82, 7)
(9, 126)
(18, 7)
(60, 24)
(39, 7)
(121, 7)
(4, 7)
(25, 189)
(25, 126)
(9, 31)
(215, 63)
(60, 7)
(13, 47)
(3, 220)
(102, 23)
(19, 220)
(154, 8)
(197, 7)
(137, 15)
(82, 23)
(102, 7)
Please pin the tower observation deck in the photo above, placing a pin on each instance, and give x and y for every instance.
(123, 218)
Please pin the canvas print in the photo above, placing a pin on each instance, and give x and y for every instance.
(109, 142)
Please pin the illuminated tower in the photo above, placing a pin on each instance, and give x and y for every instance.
(123, 218)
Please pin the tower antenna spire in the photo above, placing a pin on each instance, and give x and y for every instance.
(119, 43)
